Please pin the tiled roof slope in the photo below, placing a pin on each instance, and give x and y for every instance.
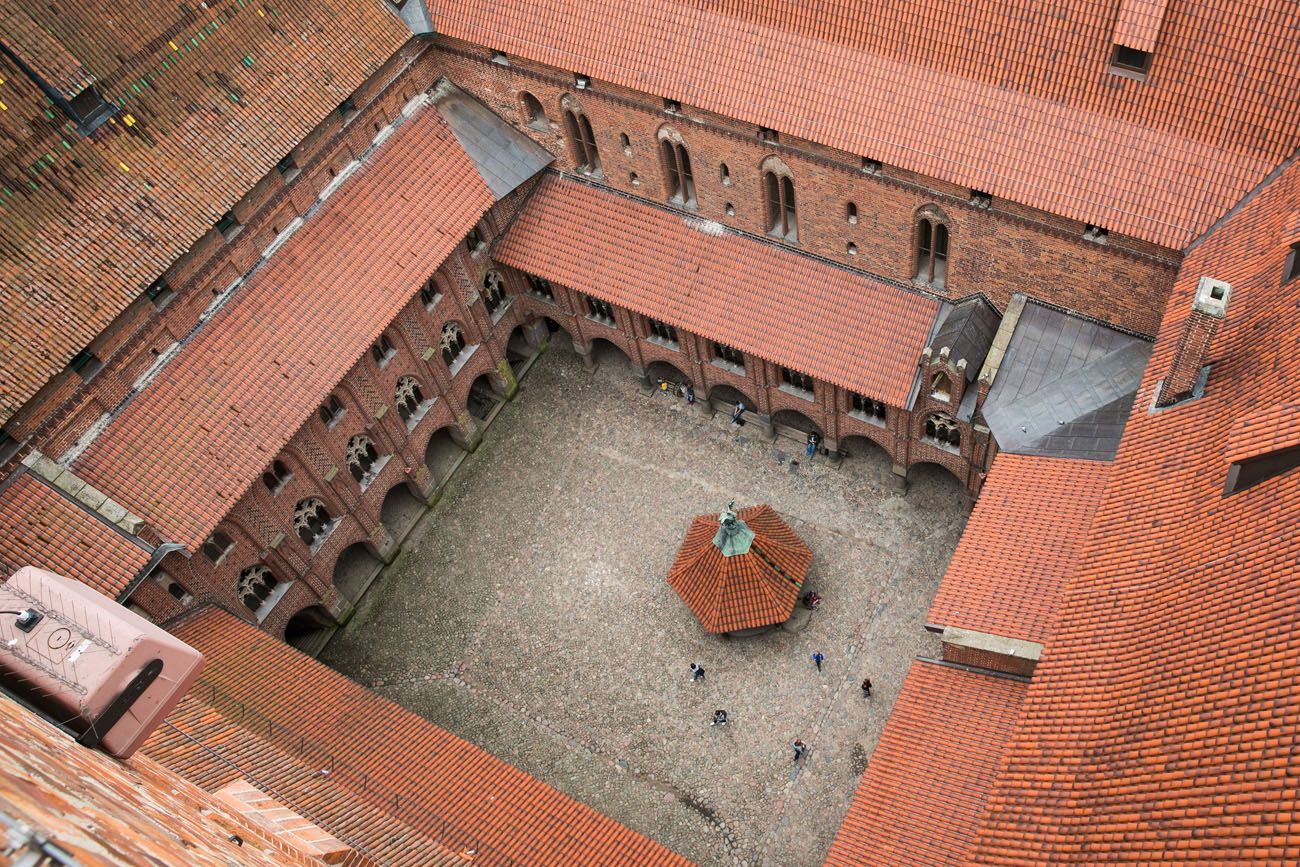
(184, 450)
(507, 813)
(1162, 723)
(41, 52)
(211, 740)
(741, 591)
(41, 527)
(1020, 546)
(920, 800)
(210, 99)
(698, 275)
(1012, 98)
(106, 813)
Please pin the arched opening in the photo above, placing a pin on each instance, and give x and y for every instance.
(400, 511)
(662, 370)
(518, 349)
(309, 629)
(560, 337)
(355, 568)
(441, 455)
(929, 482)
(312, 522)
(864, 455)
(605, 353)
(794, 425)
(483, 397)
(941, 386)
(724, 398)
(534, 114)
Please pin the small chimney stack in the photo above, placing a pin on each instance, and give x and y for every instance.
(1208, 309)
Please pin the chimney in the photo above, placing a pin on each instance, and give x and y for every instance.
(1208, 308)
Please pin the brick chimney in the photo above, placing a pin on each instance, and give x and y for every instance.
(1208, 308)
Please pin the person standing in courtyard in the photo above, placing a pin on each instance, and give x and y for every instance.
(866, 687)
(800, 748)
(737, 413)
(697, 672)
(813, 441)
(719, 718)
(818, 658)
(690, 395)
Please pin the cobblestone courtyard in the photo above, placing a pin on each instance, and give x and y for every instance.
(529, 614)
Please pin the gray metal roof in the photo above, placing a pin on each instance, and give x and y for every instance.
(1065, 387)
(967, 329)
(504, 157)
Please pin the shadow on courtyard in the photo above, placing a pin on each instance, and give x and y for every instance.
(529, 614)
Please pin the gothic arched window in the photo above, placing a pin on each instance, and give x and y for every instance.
(311, 521)
(494, 291)
(361, 456)
(451, 343)
(408, 397)
(255, 586)
(778, 194)
(677, 172)
(932, 253)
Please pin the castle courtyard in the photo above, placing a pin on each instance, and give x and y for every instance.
(528, 612)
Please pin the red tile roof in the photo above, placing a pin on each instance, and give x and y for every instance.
(742, 591)
(920, 801)
(1020, 546)
(1138, 23)
(41, 527)
(210, 98)
(700, 276)
(1013, 99)
(414, 769)
(105, 812)
(184, 450)
(31, 44)
(1162, 723)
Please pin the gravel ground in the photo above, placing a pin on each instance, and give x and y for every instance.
(528, 613)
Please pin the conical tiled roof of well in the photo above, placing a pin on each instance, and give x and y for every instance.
(756, 588)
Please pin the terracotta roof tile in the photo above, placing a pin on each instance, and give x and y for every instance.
(1020, 546)
(439, 784)
(210, 97)
(1161, 725)
(697, 275)
(31, 44)
(1010, 98)
(184, 450)
(920, 801)
(1138, 23)
(105, 812)
(743, 591)
(41, 527)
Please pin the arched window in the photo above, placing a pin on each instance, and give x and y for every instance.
(255, 586)
(452, 343)
(361, 457)
(216, 546)
(276, 477)
(782, 221)
(943, 430)
(494, 291)
(582, 142)
(724, 174)
(331, 411)
(851, 213)
(941, 387)
(534, 114)
(408, 397)
(677, 172)
(932, 252)
(382, 350)
(311, 521)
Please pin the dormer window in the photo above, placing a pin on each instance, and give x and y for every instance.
(1130, 62)
(89, 110)
(1250, 472)
(1291, 268)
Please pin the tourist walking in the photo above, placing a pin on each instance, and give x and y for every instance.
(866, 687)
(818, 657)
(799, 749)
(697, 672)
(719, 718)
(690, 395)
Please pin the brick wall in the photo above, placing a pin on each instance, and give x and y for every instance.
(1007, 248)
(988, 659)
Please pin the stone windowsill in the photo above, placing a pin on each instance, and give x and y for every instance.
(666, 344)
(941, 445)
(608, 323)
(373, 473)
(418, 416)
(869, 419)
(801, 393)
(269, 603)
(434, 303)
(501, 309)
(737, 369)
(549, 299)
(324, 536)
(461, 360)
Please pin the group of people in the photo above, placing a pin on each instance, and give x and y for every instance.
(683, 389)
(800, 748)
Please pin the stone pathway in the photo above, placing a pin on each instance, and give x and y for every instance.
(529, 614)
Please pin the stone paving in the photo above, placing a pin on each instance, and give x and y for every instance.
(529, 613)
